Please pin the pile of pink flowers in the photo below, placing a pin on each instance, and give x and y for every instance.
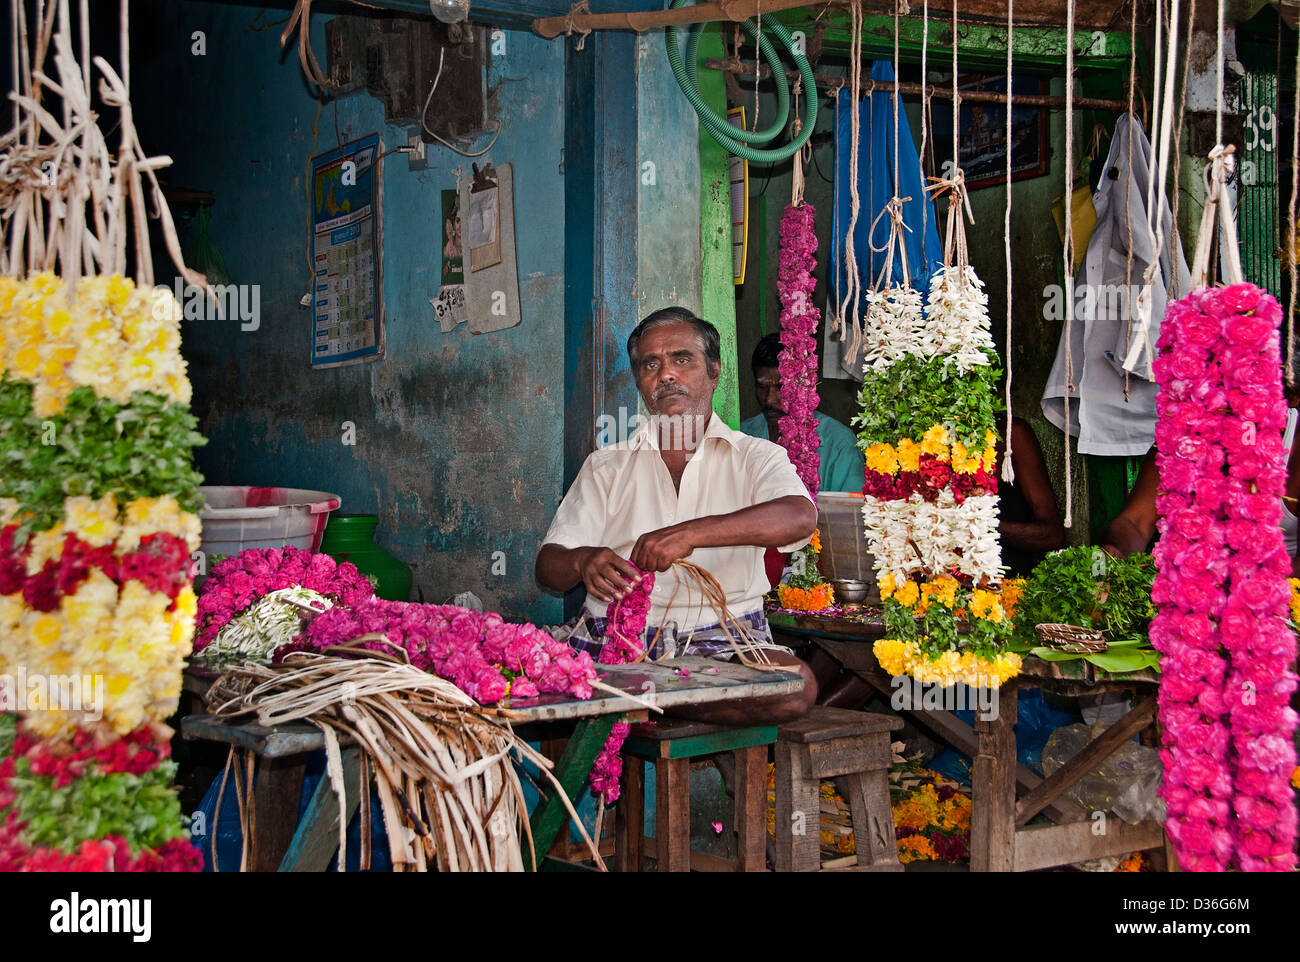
(238, 582)
(625, 624)
(480, 653)
(1221, 591)
(797, 363)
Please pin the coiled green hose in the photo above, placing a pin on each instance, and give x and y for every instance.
(736, 140)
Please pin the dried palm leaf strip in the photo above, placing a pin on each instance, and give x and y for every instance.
(443, 766)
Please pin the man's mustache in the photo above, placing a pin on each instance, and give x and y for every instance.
(665, 391)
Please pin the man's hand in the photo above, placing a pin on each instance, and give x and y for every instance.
(657, 550)
(606, 575)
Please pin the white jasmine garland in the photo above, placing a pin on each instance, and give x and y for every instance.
(895, 327)
(271, 622)
(957, 318)
(916, 536)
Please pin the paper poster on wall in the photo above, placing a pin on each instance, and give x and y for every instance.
(483, 235)
(450, 302)
(492, 289)
(347, 254)
(453, 261)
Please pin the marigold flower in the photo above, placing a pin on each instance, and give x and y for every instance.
(909, 455)
(907, 594)
(935, 442)
(882, 459)
(806, 599)
(1012, 589)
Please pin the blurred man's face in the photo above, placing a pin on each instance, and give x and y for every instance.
(767, 389)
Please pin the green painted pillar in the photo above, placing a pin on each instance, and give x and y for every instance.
(717, 278)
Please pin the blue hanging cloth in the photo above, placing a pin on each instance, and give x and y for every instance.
(876, 189)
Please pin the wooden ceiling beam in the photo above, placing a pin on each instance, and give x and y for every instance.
(1089, 14)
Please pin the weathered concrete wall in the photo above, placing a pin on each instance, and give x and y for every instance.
(668, 210)
(458, 436)
(1036, 263)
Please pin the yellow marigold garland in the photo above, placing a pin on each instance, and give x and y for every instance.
(905, 455)
(906, 658)
(806, 599)
(104, 333)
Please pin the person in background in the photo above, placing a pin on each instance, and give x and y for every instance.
(1029, 522)
(1134, 528)
(843, 467)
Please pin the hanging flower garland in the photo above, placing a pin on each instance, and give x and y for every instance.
(98, 493)
(97, 528)
(927, 428)
(90, 805)
(626, 620)
(1221, 588)
(797, 363)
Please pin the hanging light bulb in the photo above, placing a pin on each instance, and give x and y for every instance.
(449, 11)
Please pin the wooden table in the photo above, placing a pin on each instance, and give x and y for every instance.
(283, 843)
(1000, 839)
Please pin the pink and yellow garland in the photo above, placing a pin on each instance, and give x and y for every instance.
(1222, 593)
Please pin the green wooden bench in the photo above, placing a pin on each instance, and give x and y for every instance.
(671, 745)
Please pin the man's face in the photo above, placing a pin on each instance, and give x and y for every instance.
(767, 389)
(672, 373)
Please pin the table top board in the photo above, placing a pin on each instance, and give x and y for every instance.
(865, 626)
(681, 681)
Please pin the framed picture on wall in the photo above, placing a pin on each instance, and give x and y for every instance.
(983, 134)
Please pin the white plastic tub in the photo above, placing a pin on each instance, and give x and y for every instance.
(240, 516)
(844, 542)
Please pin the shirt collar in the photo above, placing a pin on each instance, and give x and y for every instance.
(647, 436)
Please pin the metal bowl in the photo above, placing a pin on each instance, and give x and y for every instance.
(850, 591)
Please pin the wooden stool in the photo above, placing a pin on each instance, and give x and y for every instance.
(671, 744)
(830, 743)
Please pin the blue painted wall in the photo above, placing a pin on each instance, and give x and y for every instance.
(458, 436)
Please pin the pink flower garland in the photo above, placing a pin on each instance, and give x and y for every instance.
(797, 363)
(480, 653)
(625, 623)
(1221, 589)
(236, 583)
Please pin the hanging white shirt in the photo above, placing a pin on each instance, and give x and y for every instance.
(625, 490)
(1290, 523)
(1105, 329)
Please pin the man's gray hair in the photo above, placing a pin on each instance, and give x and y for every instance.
(678, 315)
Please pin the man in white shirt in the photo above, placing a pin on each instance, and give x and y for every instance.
(683, 486)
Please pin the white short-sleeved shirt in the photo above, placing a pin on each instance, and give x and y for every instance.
(625, 490)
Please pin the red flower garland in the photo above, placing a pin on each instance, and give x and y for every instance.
(934, 475)
(108, 854)
(161, 563)
(625, 624)
(797, 363)
(1221, 589)
(132, 754)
